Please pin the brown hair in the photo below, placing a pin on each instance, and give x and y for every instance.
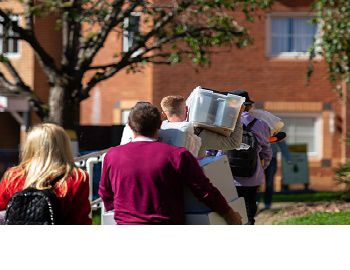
(171, 105)
(144, 119)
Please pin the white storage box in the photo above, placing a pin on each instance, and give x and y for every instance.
(127, 136)
(180, 134)
(108, 218)
(213, 218)
(275, 123)
(217, 169)
(214, 111)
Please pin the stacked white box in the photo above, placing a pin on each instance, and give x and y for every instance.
(108, 218)
(213, 218)
(217, 169)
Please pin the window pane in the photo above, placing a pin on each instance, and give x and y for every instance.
(301, 130)
(279, 35)
(290, 34)
(303, 34)
(10, 44)
(15, 45)
(309, 141)
(131, 25)
(5, 45)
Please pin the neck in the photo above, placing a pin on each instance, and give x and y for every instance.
(176, 118)
(154, 137)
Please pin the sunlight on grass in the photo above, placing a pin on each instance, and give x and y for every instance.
(320, 218)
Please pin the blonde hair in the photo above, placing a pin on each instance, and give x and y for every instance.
(171, 105)
(46, 157)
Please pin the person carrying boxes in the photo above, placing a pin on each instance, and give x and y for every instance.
(252, 158)
(143, 180)
(175, 110)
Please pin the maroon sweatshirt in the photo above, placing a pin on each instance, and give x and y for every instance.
(143, 181)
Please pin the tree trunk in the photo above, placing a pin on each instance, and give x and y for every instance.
(64, 110)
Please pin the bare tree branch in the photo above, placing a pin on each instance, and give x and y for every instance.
(91, 47)
(7, 63)
(47, 61)
(6, 84)
(110, 69)
(37, 104)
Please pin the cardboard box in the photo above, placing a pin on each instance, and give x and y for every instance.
(213, 218)
(217, 169)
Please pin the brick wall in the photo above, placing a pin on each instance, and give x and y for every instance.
(121, 91)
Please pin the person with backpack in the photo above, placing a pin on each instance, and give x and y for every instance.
(46, 187)
(249, 161)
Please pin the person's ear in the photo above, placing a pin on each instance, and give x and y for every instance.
(164, 115)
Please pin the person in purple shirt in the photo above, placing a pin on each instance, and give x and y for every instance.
(143, 180)
(247, 187)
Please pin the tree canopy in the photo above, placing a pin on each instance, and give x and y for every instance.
(333, 16)
(171, 31)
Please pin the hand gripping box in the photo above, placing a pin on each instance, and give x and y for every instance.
(213, 218)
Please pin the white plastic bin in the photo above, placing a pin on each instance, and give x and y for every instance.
(207, 108)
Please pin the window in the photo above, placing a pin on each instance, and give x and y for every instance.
(304, 129)
(131, 29)
(291, 35)
(9, 42)
(125, 116)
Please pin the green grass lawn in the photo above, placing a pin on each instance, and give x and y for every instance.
(320, 218)
(96, 217)
(308, 197)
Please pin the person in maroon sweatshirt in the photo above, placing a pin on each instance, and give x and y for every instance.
(143, 181)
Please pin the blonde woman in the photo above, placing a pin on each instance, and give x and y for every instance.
(47, 162)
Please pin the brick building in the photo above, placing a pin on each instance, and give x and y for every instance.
(273, 70)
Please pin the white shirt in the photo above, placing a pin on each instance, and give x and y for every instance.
(143, 139)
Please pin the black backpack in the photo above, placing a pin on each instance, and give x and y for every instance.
(243, 161)
(33, 207)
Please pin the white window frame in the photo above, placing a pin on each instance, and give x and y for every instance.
(288, 55)
(11, 54)
(125, 44)
(318, 132)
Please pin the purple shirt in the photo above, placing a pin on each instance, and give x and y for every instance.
(143, 181)
(262, 133)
